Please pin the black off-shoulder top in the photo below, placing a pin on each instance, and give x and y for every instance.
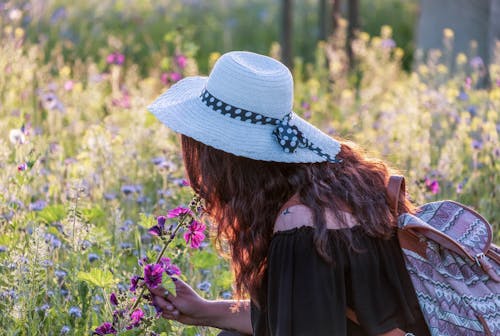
(308, 296)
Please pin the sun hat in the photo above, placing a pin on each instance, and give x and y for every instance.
(244, 107)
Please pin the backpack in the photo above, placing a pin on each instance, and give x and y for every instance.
(453, 265)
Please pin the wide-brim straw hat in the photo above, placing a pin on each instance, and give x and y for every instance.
(244, 107)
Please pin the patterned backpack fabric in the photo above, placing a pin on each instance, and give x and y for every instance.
(454, 267)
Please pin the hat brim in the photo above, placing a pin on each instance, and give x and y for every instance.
(180, 108)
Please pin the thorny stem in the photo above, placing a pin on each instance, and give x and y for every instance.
(162, 252)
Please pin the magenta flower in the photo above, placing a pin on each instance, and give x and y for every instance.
(181, 61)
(179, 211)
(153, 275)
(134, 281)
(22, 167)
(159, 228)
(113, 299)
(175, 77)
(136, 317)
(115, 58)
(170, 77)
(432, 185)
(194, 236)
(168, 267)
(105, 329)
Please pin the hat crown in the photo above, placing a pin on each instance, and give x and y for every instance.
(252, 82)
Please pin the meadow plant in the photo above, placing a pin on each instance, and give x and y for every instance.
(86, 173)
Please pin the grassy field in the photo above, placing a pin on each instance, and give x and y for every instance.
(85, 168)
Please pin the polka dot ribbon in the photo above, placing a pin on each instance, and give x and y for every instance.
(289, 136)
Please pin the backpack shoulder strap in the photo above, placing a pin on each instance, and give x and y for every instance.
(395, 187)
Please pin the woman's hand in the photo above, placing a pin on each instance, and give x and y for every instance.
(189, 308)
(186, 306)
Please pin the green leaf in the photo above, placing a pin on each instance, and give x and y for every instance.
(93, 214)
(204, 260)
(98, 278)
(169, 284)
(146, 221)
(52, 213)
(224, 279)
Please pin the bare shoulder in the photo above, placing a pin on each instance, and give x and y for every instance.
(293, 217)
(299, 215)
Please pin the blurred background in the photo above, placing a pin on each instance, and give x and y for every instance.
(85, 169)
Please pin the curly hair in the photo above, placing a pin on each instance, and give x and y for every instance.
(243, 197)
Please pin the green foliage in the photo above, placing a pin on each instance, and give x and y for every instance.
(98, 278)
(99, 168)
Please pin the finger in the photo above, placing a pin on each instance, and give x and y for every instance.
(163, 304)
(162, 292)
(173, 315)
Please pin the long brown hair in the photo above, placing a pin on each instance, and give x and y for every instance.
(243, 196)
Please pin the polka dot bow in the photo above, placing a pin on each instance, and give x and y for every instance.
(289, 136)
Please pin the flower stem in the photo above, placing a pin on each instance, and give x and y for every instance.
(162, 252)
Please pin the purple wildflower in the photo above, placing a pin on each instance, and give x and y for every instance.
(204, 286)
(463, 96)
(179, 211)
(93, 257)
(388, 43)
(105, 329)
(159, 228)
(134, 281)
(169, 268)
(75, 312)
(432, 186)
(22, 167)
(113, 299)
(476, 62)
(38, 205)
(476, 144)
(195, 234)
(153, 275)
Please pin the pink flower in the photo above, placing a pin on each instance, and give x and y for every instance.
(136, 317)
(68, 85)
(179, 211)
(175, 77)
(115, 58)
(181, 61)
(194, 236)
(170, 77)
(432, 185)
(120, 59)
(110, 59)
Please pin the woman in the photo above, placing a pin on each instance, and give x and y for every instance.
(305, 216)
